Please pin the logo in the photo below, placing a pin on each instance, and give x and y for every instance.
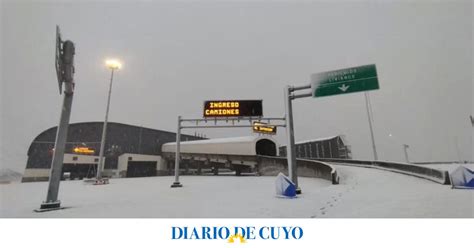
(237, 234)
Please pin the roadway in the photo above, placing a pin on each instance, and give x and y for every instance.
(362, 192)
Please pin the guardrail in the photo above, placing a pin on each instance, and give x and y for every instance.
(438, 176)
(444, 162)
(271, 166)
(268, 165)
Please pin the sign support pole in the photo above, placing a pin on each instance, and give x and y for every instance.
(65, 71)
(290, 148)
(176, 183)
(52, 201)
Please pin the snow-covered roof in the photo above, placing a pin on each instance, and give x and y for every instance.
(245, 145)
(315, 140)
(224, 140)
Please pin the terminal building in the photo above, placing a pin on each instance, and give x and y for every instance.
(130, 151)
(330, 147)
(133, 151)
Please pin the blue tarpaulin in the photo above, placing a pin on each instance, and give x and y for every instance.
(463, 178)
(284, 186)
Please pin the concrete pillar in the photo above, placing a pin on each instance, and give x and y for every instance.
(186, 166)
(199, 169)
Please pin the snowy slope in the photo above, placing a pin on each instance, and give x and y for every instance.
(8, 175)
(375, 193)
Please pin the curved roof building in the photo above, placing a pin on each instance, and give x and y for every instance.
(83, 144)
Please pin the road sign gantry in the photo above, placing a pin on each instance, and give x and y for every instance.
(342, 81)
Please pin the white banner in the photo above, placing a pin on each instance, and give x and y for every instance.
(378, 233)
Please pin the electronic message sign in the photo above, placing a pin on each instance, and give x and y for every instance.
(232, 108)
(83, 150)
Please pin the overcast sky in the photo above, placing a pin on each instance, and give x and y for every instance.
(176, 55)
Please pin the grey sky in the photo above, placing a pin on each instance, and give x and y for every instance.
(178, 54)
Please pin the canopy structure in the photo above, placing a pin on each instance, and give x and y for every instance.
(462, 178)
(284, 186)
(247, 145)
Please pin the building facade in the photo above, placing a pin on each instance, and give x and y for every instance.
(330, 147)
(129, 151)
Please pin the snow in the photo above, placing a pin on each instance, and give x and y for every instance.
(375, 194)
(8, 175)
(242, 139)
(315, 140)
(363, 192)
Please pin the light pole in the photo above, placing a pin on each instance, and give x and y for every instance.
(370, 118)
(404, 146)
(405, 149)
(113, 65)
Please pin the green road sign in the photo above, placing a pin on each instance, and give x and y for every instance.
(349, 80)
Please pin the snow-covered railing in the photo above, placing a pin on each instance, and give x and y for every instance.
(439, 176)
(271, 166)
(264, 165)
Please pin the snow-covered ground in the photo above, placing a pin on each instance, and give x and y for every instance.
(363, 192)
(377, 193)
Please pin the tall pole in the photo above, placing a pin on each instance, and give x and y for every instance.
(67, 76)
(405, 149)
(100, 166)
(290, 147)
(177, 156)
(370, 125)
(457, 149)
(58, 156)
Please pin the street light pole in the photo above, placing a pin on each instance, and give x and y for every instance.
(176, 183)
(370, 118)
(405, 149)
(113, 65)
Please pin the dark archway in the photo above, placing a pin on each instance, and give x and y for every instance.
(266, 147)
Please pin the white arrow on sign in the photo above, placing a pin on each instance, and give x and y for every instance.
(344, 87)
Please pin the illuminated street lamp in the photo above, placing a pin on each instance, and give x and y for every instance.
(113, 65)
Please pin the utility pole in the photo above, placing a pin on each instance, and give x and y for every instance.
(65, 71)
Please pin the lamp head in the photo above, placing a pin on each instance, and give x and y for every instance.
(113, 64)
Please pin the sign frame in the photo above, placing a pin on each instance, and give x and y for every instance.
(344, 81)
(58, 63)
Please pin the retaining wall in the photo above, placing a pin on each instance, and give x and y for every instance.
(439, 176)
(271, 166)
